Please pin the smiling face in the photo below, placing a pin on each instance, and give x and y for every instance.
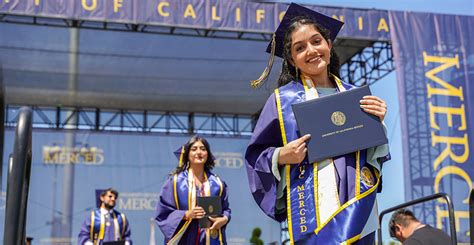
(197, 154)
(310, 52)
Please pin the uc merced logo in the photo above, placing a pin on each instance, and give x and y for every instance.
(338, 118)
(367, 177)
(231, 160)
(138, 201)
(85, 154)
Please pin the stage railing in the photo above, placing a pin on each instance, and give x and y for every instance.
(449, 203)
(18, 181)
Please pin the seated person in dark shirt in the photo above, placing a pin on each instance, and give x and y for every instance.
(406, 228)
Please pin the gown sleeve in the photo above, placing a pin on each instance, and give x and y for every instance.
(376, 156)
(127, 236)
(225, 203)
(168, 218)
(84, 233)
(265, 138)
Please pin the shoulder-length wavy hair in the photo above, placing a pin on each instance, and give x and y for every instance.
(288, 71)
(208, 165)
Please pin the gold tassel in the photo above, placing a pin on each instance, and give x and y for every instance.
(263, 77)
(181, 156)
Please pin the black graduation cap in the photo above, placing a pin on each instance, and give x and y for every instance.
(295, 10)
(275, 47)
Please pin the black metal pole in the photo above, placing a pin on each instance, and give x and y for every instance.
(25, 188)
(449, 203)
(18, 181)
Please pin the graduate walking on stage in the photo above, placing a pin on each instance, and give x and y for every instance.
(177, 212)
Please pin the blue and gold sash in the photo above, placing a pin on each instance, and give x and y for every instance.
(347, 223)
(185, 199)
(97, 230)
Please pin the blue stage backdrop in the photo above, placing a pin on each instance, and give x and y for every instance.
(137, 166)
(434, 57)
(214, 14)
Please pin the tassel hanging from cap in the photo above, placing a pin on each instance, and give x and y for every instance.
(263, 77)
(181, 156)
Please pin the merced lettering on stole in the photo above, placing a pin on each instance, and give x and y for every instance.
(301, 175)
(301, 201)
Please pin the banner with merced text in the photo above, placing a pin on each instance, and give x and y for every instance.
(434, 56)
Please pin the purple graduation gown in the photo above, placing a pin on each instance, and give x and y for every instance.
(85, 235)
(267, 137)
(170, 219)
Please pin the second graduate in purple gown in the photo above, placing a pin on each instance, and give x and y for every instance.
(177, 214)
(327, 202)
(105, 224)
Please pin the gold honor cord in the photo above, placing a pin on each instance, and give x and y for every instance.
(181, 162)
(263, 77)
(175, 179)
(92, 227)
(124, 221)
(287, 166)
(357, 178)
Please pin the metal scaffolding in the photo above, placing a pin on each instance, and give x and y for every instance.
(419, 149)
(369, 65)
(98, 25)
(108, 120)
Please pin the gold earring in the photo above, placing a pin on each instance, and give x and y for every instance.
(297, 75)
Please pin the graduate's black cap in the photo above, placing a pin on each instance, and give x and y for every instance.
(275, 47)
(295, 10)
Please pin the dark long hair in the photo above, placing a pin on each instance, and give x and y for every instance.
(208, 165)
(288, 71)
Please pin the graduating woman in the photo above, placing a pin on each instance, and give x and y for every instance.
(177, 213)
(327, 202)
